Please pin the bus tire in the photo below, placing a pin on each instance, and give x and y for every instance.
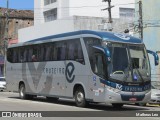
(80, 97)
(22, 93)
(117, 105)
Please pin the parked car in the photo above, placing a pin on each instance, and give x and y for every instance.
(2, 83)
(155, 93)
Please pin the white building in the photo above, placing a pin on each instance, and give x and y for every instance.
(49, 10)
(60, 16)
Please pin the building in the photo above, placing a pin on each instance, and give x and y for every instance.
(72, 15)
(151, 30)
(49, 10)
(17, 19)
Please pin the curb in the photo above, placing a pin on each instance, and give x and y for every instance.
(153, 105)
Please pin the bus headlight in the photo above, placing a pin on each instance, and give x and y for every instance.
(113, 89)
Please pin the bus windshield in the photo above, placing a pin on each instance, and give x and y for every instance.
(129, 63)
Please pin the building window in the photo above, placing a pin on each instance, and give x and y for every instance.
(47, 2)
(50, 15)
(127, 13)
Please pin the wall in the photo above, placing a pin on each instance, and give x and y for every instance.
(71, 24)
(15, 25)
(79, 7)
(38, 12)
(42, 30)
(68, 8)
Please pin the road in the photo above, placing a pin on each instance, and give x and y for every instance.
(10, 102)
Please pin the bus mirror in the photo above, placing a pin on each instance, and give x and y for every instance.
(105, 51)
(108, 54)
(156, 58)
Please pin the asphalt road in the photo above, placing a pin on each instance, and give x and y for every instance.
(10, 102)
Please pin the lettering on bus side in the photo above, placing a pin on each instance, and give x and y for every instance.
(69, 72)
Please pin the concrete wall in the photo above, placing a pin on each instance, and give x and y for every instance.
(14, 25)
(38, 12)
(42, 30)
(99, 23)
(71, 24)
(93, 7)
(68, 8)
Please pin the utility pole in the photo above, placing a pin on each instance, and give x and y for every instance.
(6, 37)
(140, 20)
(109, 12)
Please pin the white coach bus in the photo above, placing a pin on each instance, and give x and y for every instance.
(88, 66)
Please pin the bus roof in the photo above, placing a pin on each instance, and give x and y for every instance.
(106, 36)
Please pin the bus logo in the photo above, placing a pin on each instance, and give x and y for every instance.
(69, 72)
(119, 86)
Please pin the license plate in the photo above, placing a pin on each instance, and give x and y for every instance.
(133, 99)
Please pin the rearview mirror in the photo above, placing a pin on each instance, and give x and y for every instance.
(155, 55)
(105, 51)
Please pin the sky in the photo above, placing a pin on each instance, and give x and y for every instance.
(18, 4)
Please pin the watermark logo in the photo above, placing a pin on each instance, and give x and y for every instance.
(69, 72)
(6, 114)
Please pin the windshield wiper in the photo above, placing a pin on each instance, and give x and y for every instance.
(136, 68)
(126, 71)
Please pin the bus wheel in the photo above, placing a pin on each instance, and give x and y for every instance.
(80, 97)
(22, 93)
(22, 90)
(117, 105)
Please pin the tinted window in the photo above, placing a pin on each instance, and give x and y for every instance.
(91, 42)
(60, 50)
(75, 51)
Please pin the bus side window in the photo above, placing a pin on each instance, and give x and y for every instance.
(63, 51)
(41, 53)
(25, 54)
(89, 41)
(54, 52)
(48, 52)
(97, 61)
(21, 54)
(30, 53)
(78, 52)
(71, 50)
(75, 51)
(10, 55)
(58, 48)
(15, 55)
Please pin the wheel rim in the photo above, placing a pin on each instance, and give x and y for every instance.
(80, 97)
(22, 92)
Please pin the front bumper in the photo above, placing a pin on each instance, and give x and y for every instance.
(2, 87)
(127, 97)
(155, 100)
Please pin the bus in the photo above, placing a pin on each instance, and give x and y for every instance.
(88, 66)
